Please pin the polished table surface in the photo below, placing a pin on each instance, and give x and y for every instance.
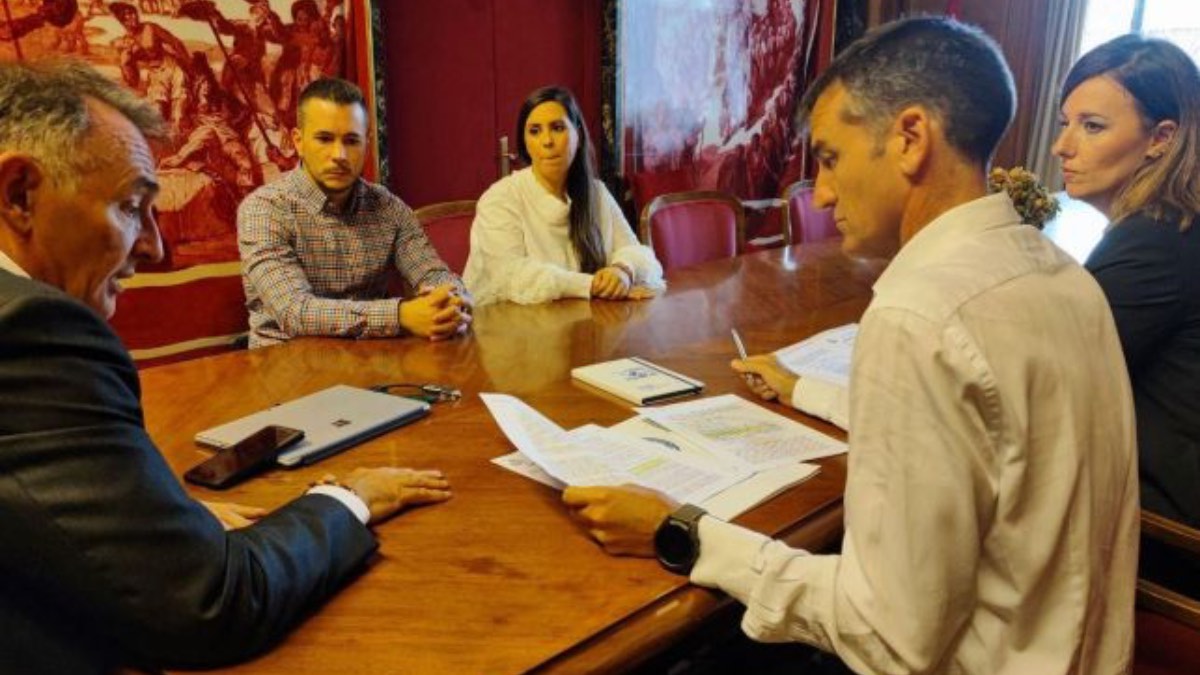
(500, 579)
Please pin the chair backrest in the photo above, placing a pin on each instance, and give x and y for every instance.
(1167, 622)
(766, 224)
(686, 228)
(806, 223)
(448, 227)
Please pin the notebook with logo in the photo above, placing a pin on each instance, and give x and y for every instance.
(332, 420)
(637, 380)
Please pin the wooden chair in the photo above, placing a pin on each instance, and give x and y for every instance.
(1167, 622)
(448, 226)
(686, 228)
(805, 223)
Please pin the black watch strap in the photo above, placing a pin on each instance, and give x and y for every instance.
(677, 541)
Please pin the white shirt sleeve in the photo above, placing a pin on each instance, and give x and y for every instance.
(500, 267)
(348, 499)
(828, 401)
(900, 592)
(625, 247)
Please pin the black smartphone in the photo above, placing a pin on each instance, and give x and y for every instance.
(243, 459)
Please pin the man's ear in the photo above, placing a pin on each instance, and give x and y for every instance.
(296, 136)
(20, 177)
(911, 135)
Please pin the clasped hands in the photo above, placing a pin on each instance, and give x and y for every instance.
(437, 313)
(615, 282)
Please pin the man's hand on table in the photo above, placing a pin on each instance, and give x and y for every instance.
(622, 519)
(387, 490)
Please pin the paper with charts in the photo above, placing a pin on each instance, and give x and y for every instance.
(745, 430)
(648, 455)
(736, 499)
(593, 455)
(824, 356)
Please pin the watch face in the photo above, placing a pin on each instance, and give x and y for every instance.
(674, 545)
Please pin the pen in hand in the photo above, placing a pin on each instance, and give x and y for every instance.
(750, 378)
(737, 342)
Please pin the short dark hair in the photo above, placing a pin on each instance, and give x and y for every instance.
(584, 226)
(332, 89)
(1165, 85)
(953, 69)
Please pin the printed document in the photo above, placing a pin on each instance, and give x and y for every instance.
(734, 426)
(824, 356)
(736, 499)
(653, 432)
(592, 455)
(523, 466)
(642, 451)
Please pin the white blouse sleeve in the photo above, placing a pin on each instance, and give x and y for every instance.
(626, 248)
(500, 268)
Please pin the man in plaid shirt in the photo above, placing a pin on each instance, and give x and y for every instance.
(317, 244)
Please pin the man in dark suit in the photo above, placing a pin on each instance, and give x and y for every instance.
(106, 562)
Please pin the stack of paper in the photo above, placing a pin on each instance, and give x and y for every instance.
(724, 453)
(733, 427)
(824, 356)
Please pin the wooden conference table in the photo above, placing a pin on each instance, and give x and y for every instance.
(499, 579)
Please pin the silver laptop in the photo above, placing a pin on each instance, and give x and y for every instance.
(332, 420)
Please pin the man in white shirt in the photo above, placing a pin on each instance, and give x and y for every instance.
(991, 498)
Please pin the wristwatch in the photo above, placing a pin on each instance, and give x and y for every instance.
(677, 540)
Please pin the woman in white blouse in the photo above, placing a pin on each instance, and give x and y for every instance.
(552, 230)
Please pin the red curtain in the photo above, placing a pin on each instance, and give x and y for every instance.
(709, 92)
(226, 75)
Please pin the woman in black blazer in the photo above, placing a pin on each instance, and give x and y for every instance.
(1130, 146)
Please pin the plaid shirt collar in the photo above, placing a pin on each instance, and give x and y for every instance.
(310, 195)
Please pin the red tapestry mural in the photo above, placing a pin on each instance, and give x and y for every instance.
(225, 75)
(708, 91)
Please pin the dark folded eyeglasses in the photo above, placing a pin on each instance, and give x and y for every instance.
(430, 393)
